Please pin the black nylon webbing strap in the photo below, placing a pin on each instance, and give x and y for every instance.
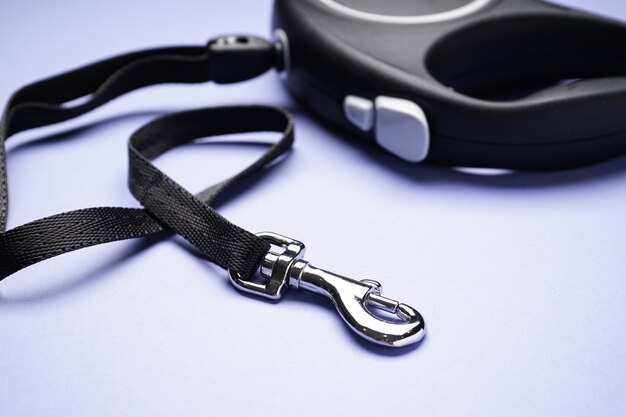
(168, 205)
(62, 233)
(224, 243)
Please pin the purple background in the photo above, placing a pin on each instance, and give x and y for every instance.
(521, 278)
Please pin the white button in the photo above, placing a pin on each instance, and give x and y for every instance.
(402, 128)
(360, 112)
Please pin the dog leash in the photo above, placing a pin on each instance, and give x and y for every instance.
(167, 205)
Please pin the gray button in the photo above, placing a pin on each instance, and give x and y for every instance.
(400, 125)
(360, 112)
(402, 128)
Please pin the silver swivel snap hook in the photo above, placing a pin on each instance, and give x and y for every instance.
(355, 300)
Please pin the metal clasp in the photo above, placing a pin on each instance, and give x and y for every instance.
(356, 301)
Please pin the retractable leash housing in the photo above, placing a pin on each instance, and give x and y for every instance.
(517, 84)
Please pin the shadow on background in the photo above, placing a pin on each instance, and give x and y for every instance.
(318, 302)
(326, 306)
(87, 278)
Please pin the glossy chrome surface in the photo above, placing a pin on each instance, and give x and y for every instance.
(274, 268)
(356, 301)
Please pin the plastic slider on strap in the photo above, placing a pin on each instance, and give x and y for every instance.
(236, 58)
(356, 301)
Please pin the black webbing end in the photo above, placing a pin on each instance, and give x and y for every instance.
(236, 58)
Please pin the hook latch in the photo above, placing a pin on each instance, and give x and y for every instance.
(356, 301)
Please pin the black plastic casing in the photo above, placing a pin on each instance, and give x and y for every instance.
(487, 82)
